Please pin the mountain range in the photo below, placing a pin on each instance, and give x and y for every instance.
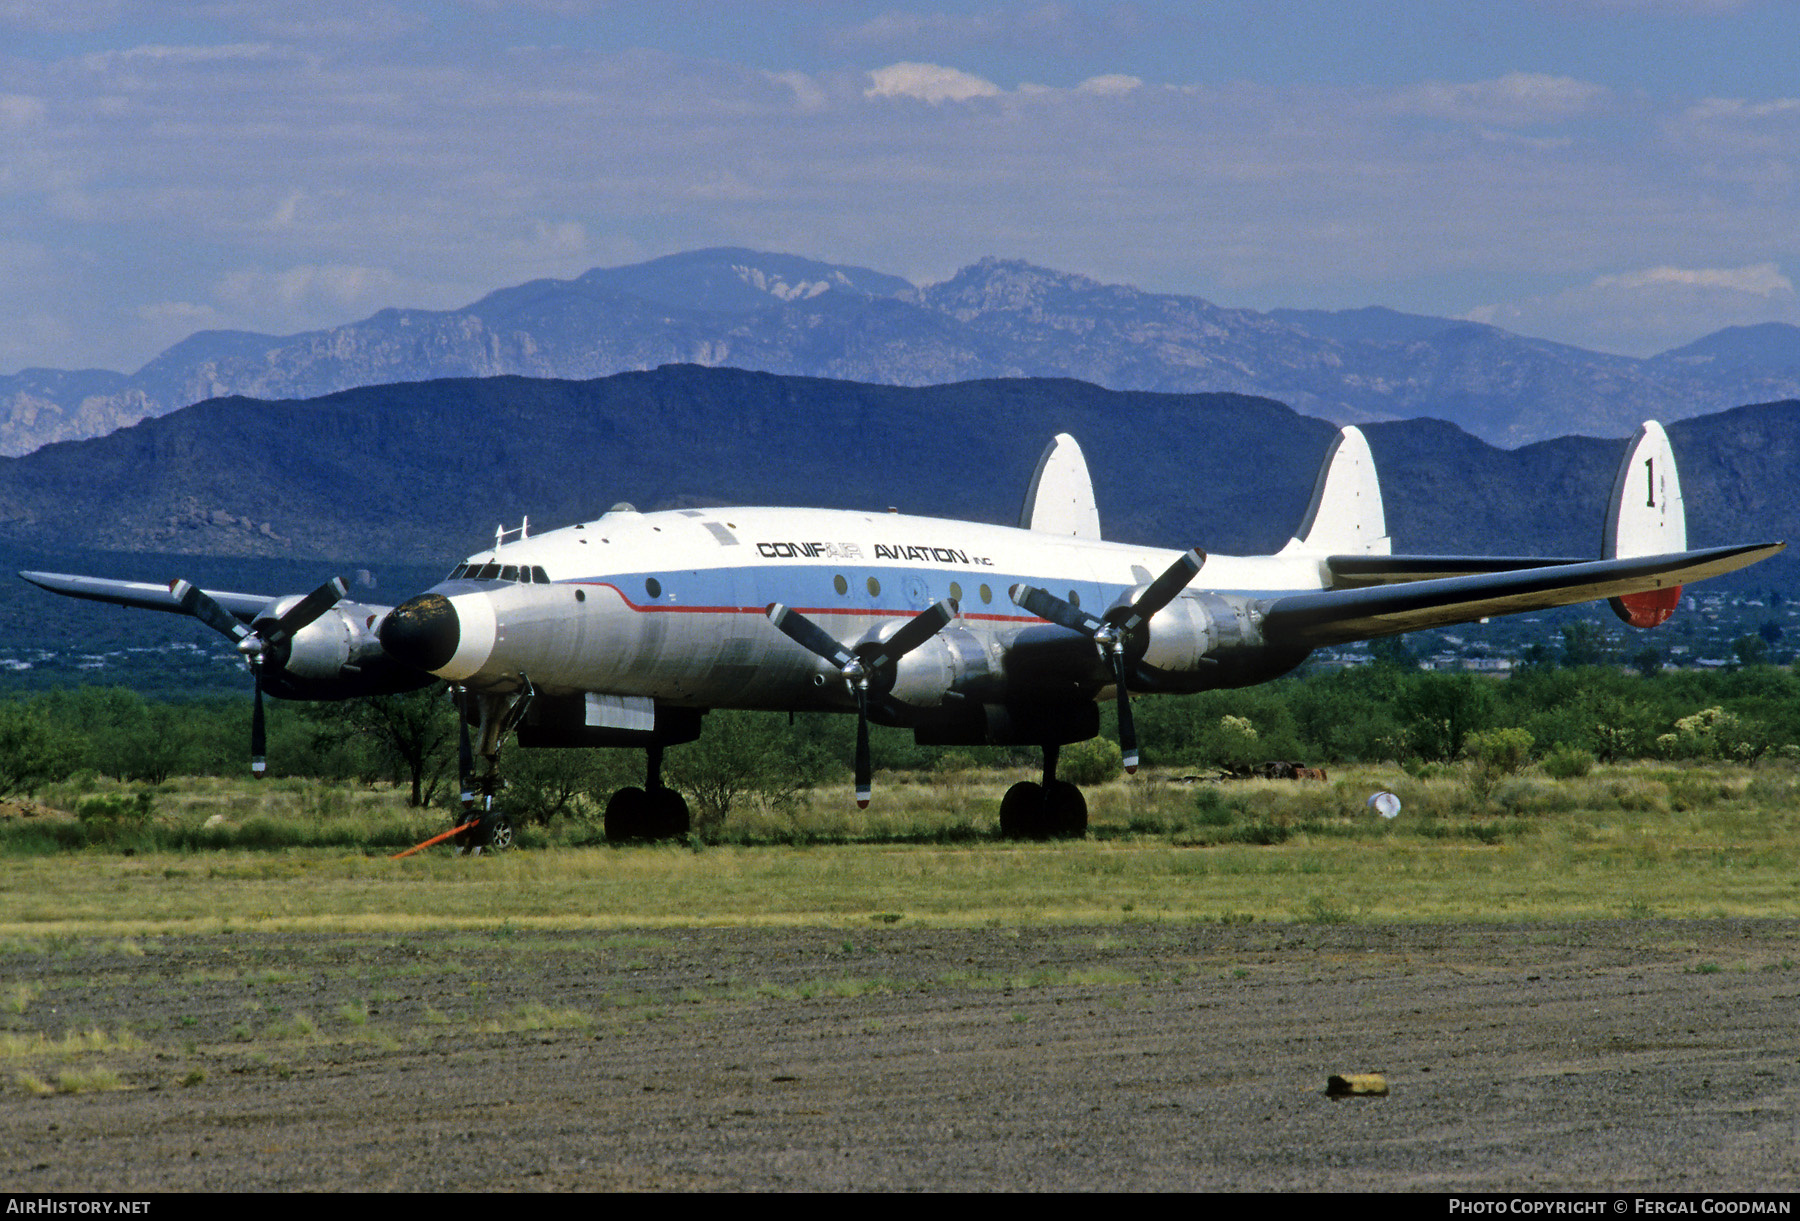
(994, 319)
(423, 472)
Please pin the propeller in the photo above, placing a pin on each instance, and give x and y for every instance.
(255, 645)
(1117, 630)
(865, 663)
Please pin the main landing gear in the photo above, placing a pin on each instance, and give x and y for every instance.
(1054, 809)
(652, 812)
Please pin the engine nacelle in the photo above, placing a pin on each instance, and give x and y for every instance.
(335, 657)
(954, 663)
(1201, 641)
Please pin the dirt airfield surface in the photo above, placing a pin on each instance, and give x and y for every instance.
(1625, 1055)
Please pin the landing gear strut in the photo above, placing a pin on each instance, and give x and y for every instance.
(652, 812)
(493, 831)
(1054, 809)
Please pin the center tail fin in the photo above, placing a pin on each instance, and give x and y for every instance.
(1346, 516)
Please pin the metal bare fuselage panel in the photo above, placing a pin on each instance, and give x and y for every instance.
(671, 605)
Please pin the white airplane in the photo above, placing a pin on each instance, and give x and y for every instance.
(624, 630)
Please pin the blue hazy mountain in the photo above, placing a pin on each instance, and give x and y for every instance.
(422, 472)
(997, 318)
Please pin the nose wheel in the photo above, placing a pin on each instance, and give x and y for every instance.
(493, 832)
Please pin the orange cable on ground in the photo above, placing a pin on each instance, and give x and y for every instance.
(436, 839)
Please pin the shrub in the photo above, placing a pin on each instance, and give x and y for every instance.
(105, 816)
(1503, 751)
(1568, 763)
(1094, 761)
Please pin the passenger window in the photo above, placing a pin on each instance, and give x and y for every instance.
(838, 583)
(955, 592)
(653, 587)
(874, 588)
(987, 595)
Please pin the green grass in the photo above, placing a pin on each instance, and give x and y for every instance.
(1620, 841)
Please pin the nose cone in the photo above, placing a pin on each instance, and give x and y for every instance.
(422, 632)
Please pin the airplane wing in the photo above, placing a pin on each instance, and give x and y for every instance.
(1356, 571)
(1337, 616)
(141, 594)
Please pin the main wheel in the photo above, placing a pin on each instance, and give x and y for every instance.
(1022, 811)
(1066, 811)
(627, 815)
(668, 814)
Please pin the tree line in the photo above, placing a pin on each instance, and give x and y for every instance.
(1388, 711)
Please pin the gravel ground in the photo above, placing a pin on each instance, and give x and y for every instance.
(1629, 1055)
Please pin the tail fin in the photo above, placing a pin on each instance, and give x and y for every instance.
(1646, 516)
(1060, 499)
(1345, 517)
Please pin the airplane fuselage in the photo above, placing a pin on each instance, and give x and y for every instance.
(671, 605)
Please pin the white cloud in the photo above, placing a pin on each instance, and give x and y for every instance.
(1760, 280)
(808, 93)
(928, 83)
(101, 61)
(178, 317)
(18, 110)
(1110, 84)
(1518, 99)
(329, 286)
(1640, 313)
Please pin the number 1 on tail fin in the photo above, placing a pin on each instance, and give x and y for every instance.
(1655, 525)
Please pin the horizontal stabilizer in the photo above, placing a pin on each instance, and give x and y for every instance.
(1337, 616)
(141, 594)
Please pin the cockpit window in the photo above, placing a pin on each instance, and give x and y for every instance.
(456, 573)
(510, 573)
(488, 572)
(539, 575)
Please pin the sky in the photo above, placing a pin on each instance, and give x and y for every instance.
(1622, 175)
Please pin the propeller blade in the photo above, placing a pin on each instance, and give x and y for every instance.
(809, 635)
(856, 670)
(201, 605)
(1127, 727)
(259, 734)
(1111, 633)
(307, 609)
(1163, 590)
(864, 783)
(1046, 605)
(913, 633)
